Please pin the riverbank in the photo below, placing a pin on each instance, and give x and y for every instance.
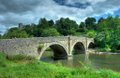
(105, 53)
(36, 69)
(92, 51)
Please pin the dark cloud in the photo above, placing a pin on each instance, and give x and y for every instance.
(60, 2)
(76, 4)
(13, 12)
(17, 6)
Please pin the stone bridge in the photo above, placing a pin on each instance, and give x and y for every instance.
(62, 46)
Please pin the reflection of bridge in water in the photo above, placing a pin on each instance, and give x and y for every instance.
(62, 46)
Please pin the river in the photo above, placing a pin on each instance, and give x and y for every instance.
(98, 61)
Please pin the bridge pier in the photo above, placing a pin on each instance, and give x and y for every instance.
(69, 55)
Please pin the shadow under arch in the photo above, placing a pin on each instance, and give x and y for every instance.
(78, 48)
(59, 52)
(91, 45)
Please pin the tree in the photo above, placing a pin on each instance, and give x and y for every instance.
(50, 32)
(90, 23)
(51, 23)
(66, 26)
(16, 33)
(0, 36)
(115, 40)
(32, 30)
(102, 39)
(101, 19)
(91, 33)
(82, 27)
(109, 23)
(43, 23)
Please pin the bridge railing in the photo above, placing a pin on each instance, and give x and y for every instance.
(47, 39)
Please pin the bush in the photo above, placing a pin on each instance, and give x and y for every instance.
(50, 32)
(16, 33)
(20, 57)
(91, 33)
(105, 49)
(2, 60)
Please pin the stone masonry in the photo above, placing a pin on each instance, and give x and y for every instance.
(36, 46)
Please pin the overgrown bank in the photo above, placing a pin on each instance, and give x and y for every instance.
(36, 69)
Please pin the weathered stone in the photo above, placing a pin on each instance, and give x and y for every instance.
(36, 46)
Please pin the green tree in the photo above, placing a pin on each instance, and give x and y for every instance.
(16, 33)
(91, 33)
(100, 20)
(115, 40)
(82, 27)
(90, 23)
(66, 26)
(51, 23)
(0, 36)
(102, 40)
(50, 32)
(109, 23)
(43, 23)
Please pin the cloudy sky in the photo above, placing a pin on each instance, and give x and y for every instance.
(13, 12)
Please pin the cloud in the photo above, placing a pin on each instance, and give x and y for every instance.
(17, 6)
(106, 6)
(69, 3)
(30, 11)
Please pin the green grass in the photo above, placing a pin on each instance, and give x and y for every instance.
(37, 69)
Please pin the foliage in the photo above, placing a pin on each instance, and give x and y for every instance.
(66, 26)
(102, 38)
(0, 36)
(115, 40)
(91, 33)
(82, 27)
(108, 33)
(3, 60)
(16, 33)
(90, 23)
(20, 57)
(50, 32)
(43, 23)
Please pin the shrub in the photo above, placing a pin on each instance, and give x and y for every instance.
(2, 60)
(20, 57)
(91, 33)
(50, 32)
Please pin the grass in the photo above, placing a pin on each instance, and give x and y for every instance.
(37, 69)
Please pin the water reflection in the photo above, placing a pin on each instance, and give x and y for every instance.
(105, 61)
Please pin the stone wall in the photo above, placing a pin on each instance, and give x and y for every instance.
(29, 46)
(19, 46)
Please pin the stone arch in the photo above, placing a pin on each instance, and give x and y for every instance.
(91, 45)
(78, 48)
(59, 50)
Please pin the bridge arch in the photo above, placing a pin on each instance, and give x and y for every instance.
(78, 48)
(91, 45)
(59, 50)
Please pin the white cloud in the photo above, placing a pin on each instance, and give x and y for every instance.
(32, 11)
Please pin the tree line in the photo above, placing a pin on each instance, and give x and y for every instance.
(105, 31)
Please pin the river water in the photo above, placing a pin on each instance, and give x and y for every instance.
(98, 61)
